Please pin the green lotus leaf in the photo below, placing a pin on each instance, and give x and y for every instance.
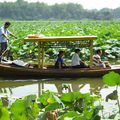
(111, 79)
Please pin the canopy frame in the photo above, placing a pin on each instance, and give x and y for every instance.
(42, 40)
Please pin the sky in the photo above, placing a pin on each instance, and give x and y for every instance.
(87, 4)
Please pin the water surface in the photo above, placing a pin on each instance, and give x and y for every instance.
(17, 88)
(20, 88)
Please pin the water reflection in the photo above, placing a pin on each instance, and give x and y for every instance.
(20, 88)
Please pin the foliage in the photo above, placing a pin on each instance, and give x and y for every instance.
(24, 109)
(111, 79)
(81, 103)
(29, 109)
(76, 104)
(4, 115)
(70, 115)
(107, 32)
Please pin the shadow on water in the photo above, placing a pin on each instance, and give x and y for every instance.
(19, 87)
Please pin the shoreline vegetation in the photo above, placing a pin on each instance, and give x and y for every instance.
(22, 10)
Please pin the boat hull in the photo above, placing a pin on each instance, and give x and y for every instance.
(15, 71)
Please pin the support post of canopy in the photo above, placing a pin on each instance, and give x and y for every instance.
(91, 53)
(39, 54)
(42, 55)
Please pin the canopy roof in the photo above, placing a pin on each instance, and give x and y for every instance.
(60, 38)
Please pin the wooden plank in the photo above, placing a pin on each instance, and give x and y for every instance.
(60, 39)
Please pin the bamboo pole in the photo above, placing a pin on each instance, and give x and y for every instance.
(91, 53)
(42, 55)
(39, 54)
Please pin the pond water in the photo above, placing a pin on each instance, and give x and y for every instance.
(17, 88)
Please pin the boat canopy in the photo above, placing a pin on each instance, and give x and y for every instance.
(60, 38)
(82, 41)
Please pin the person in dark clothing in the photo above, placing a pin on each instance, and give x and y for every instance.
(60, 62)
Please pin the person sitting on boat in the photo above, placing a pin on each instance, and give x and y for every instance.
(4, 32)
(60, 62)
(76, 61)
(97, 60)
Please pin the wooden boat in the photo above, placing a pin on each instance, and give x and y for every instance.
(84, 41)
(21, 72)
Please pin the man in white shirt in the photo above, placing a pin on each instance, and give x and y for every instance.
(76, 61)
(4, 33)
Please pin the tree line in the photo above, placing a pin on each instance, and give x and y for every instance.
(21, 10)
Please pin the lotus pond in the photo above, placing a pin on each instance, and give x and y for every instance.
(63, 99)
(108, 33)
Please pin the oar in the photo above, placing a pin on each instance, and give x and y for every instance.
(7, 48)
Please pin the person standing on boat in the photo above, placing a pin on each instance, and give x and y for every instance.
(60, 62)
(76, 61)
(4, 33)
(97, 60)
